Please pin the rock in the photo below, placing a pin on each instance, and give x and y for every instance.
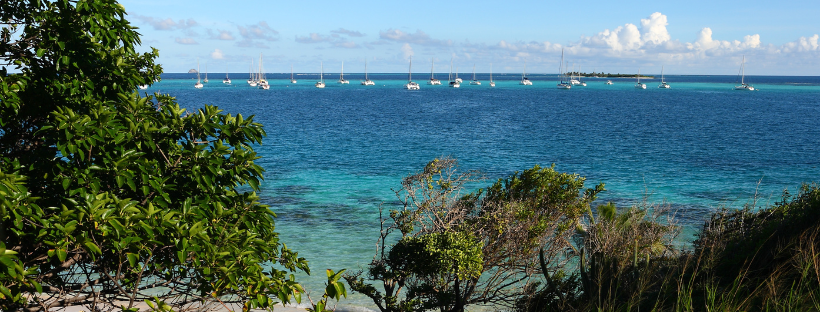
(192, 71)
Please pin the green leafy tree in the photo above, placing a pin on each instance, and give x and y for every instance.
(453, 249)
(109, 199)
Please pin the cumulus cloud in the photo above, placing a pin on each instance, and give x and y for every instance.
(419, 37)
(654, 29)
(407, 51)
(217, 54)
(168, 23)
(349, 33)
(335, 40)
(220, 34)
(260, 31)
(804, 44)
(312, 38)
(187, 41)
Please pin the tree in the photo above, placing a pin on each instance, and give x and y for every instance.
(111, 199)
(454, 250)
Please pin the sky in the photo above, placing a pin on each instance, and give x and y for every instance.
(693, 37)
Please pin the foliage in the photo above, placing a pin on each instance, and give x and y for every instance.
(478, 248)
(111, 199)
(333, 290)
(743, 260)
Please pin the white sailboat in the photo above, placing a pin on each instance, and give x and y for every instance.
(639, 85)
(198, 84)
(743, 85)
(492, 83)
(609, 82)
(206, 74)
(452, 83)
(561, 75)
(433, 81)
(410, 84)
(580, 82)
(367, 82)
(342, 75)
(252, 79)
(321, 83)
(226, 80)
(291, 74)
(143, 87)
(663, 84)
(458, 79)
(474, 81)
(572, 79)
(263, 83)
(524, 80)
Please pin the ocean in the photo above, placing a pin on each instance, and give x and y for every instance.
(333, 156)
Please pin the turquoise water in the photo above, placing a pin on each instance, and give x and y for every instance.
(333, 155)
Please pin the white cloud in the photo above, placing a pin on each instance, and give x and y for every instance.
(217, 54)
(407, 51)
(335, 40)
(168, 23)
(349, 33)
(259, 30)
(221, 34)
(187, 41)
(654, 29)
(419, 37)
(803, 44)
(312, 38)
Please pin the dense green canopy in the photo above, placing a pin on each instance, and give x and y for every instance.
(110, 198)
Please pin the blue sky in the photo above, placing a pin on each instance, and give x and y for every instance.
(687, 37)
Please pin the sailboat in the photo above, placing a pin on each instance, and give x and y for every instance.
(198, 84)
(474, 81)
(433, 80)
(342, 75)
(226, 80)
(252, 79)
(561, 75)
(206, 74)
(639, 85)
(452, 83)
(410, 84)
(663, 84)
(572, 79)
(291, 74)
(580, 82)
(743, 85)
(367, 82)
(263, 83)
(458, 79)
(321, 83)
(526, 81)
(492, 83)
(609, 82)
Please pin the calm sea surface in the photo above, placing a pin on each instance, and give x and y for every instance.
(333, 155)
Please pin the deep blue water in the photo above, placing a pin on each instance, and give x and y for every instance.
(332, 155)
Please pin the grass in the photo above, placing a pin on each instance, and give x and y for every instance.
(742, 260)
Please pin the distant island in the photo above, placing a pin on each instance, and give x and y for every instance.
(608, 75)
(192, 71)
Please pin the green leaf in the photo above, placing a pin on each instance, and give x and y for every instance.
(132, 259)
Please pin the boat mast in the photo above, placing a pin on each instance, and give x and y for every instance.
(432, 64)
(473, 72)
(342, 75)
(365, 69)
(410, 71)
(491, 72)
(742, 70)
(321, 72)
